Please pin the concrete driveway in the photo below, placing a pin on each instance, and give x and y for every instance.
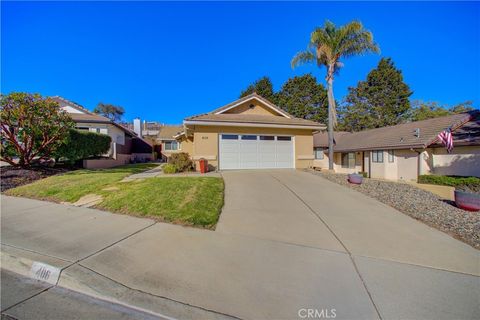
(287, 241)
(300, 208)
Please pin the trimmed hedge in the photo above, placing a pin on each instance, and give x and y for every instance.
(181, 161)
(80, 145)
(462, 183)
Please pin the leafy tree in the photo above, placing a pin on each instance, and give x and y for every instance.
(382, 100)
(110, 111)
(262, 87)
(304, 98)
(426, 110)
(327, 46)
(32, 127)
(462, 107)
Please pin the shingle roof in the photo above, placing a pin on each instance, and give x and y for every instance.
(403, 135)
(83, 117)
(168, 132)
(321, 139)
(64, 102)
(87, 116)
(253, 118)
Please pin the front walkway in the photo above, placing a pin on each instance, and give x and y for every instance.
(286, 241)
(158, 173)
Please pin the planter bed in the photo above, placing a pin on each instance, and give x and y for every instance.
(13, 177)
(419, 204)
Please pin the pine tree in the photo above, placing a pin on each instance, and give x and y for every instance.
(304, 98)
(382, 100)
(262, 87)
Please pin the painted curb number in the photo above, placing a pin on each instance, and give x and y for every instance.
(44, 272)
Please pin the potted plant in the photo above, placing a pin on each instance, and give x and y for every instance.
(355, 178)
(467, 200)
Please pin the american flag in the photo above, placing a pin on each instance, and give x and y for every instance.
(446, 139)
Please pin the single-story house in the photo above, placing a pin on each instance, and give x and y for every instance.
(165, 143)
(126, 145)
(404, 151)
(249, 133)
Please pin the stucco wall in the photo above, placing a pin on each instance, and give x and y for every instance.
(257, 109)
(121, 160)
(205, 143)
(407, 164)
(463, 161)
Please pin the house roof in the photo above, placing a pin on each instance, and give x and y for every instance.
(284, 118)
(88, 117)
(321, 139)
(168, 132)
(465, 127)
(64, 102)
(84, 117)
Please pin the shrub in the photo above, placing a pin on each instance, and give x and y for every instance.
(462, 183)
(364, 174)
(82, 145)
(31, 129)
(181, 161)
(169, 168)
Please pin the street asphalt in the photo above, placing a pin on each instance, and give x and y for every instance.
(287, 242)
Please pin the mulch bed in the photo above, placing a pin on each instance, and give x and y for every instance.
(419, 204)
(11, 177)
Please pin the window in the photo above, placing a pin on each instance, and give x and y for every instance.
(377, 156)
(391, 156)
(283, 138)
(267, 138)
(348, 160)
(247, 137)
(319, 153)
(229, 137)
(83, 128)
(172, 145)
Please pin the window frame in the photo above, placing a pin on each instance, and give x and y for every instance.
(375, 156)
(317, 151)
(171, 142)
(350, 162)
(229, 136)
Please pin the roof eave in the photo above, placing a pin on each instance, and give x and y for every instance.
(251, 124)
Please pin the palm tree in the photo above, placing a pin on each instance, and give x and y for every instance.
(327, 46)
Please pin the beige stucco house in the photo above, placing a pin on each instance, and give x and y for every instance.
(126, 146)
(404, 151)
(249, 133)
(165, 143)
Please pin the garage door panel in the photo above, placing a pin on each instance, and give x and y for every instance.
(255, 152)
(266, 157)
(248, 154)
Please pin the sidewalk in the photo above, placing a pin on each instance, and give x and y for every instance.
(190, 273)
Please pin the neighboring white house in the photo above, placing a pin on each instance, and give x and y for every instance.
(404, 151)
(126, 145)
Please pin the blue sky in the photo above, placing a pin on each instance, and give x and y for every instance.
(165, 61)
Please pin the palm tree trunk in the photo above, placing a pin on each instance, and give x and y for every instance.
(331, 120)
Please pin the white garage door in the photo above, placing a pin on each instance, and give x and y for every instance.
(246, 151)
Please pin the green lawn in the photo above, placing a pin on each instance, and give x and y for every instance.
(185, 200)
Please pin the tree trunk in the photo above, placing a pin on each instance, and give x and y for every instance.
(331, 108)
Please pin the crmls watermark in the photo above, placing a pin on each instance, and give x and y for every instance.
(310, 313)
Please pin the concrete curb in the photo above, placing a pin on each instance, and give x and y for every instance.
(77, 278)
